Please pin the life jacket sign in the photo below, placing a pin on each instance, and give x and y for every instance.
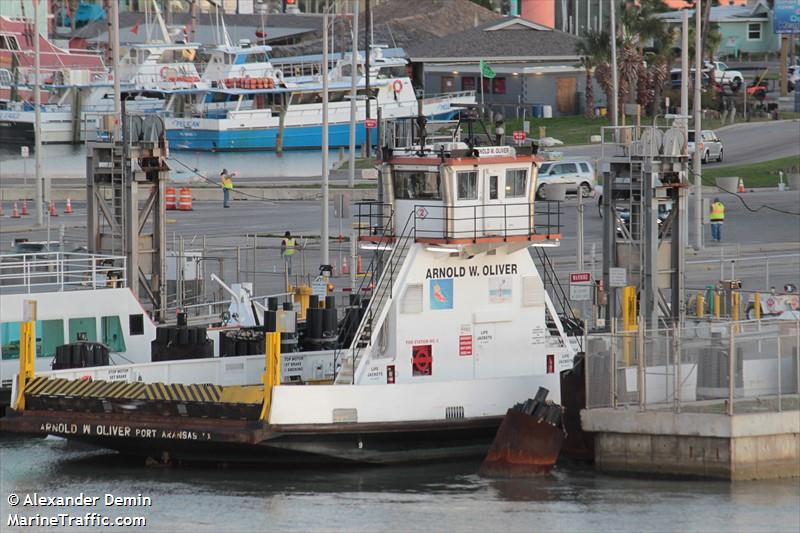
(390, 375)
(551, 363)
(421, 360)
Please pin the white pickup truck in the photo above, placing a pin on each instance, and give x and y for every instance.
(724, 76)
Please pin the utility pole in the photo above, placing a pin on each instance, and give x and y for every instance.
(351, 182)
(42, 192)
(325, 252)
(367, 51)
(684, 213)
(698, 172)
(115, 62)
(614, 75)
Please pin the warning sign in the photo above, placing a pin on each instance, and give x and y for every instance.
(465, 345)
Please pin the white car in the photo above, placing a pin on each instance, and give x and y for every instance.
(577, 174)
(724, 76)
(710, 146)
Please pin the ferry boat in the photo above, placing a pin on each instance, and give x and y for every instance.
(79, 296)
(458, 329)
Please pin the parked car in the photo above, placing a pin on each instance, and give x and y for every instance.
(794, 77)
(710, 146)
(577, 174)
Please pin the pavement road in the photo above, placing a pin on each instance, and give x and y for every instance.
(764, 243)
(743, 143)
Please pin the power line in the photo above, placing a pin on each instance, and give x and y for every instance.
(744, 203)
(216, 182)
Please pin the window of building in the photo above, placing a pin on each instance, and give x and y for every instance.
(111, 329)
(516, 183)
(467, 185)
(754, 31)
(487, 85)
(493, 192)
(417, 184)
(499, 86)
(468, 83)
(82, 329)
(448, 84)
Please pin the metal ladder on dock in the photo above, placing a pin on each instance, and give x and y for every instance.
(347, 361)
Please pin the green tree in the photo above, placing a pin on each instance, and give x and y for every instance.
(594, 49)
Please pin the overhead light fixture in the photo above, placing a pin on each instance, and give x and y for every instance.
(515, 73)
(455, 73)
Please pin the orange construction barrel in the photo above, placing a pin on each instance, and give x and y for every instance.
(185, 201)
(170, 199)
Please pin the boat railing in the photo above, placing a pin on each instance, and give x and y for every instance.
(60, 271)
(441, 97)
(473, 223)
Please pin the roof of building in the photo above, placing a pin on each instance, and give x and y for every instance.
(506, 39)
(400, 24)
(727, 14)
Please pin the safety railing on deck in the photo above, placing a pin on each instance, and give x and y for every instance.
(60, 271)
(715, 367)
(436, 222)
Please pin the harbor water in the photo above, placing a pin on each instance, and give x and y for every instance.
(444, 497)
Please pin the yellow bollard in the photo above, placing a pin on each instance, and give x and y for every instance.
(716, 304)
(272, 373)
(27, 351)
(701, 305)
(735, 299)
(757, 305)
(302, 295)
(629, 313)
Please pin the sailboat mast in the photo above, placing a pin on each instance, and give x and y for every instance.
(325, 253)
(115, 64)
(41, 188)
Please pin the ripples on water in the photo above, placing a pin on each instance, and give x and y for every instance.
(444, 497)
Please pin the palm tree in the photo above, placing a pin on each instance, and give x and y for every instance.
(593, 49)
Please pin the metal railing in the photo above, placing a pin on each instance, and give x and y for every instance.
(715, 367)
(472, 222)
(435, 221)
(61, 271)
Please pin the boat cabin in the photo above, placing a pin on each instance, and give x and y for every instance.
(450, 193)
(154, 66)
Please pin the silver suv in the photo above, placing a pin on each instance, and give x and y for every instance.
(577, 174)
(710, 146)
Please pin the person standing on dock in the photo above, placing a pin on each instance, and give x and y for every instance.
(717, 218)
(287, 250)
(227, 186)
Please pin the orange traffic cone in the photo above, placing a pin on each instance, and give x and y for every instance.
(15, 211)
(345, 266)
(741, 186)
(53, 212)
(24, 206)
(68, 209)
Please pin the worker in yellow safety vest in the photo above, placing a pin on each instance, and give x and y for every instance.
(287, 250)
(717, 217)
(227, 186)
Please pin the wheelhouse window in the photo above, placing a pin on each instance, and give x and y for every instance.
(416, 185)
(754, 31)
(516, 183)
(467, 185)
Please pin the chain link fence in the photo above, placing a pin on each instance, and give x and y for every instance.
(708, 366)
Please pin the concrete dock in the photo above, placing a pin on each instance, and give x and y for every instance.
(751, 445)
